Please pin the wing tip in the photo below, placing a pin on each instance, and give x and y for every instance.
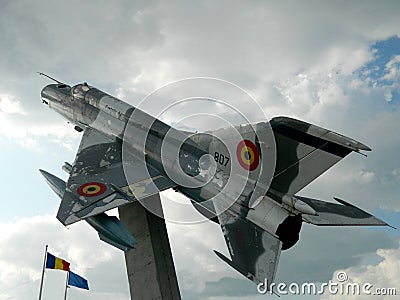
(364, 147)
(236, 267)
(379, 222)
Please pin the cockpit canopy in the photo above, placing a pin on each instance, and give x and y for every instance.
(79, 90)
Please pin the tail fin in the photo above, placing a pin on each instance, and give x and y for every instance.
(305, 151)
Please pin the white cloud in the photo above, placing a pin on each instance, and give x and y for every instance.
(10, 106)
(193, 244)
(18, 128)
(365, 177)
(385, 274)
(296, 58)
(392, 68)
(21, 261)
(353, 176)
(313, 96)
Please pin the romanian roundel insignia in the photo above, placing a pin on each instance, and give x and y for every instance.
(91, 189)
(247, 155)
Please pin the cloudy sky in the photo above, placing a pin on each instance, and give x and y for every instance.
(332, 63)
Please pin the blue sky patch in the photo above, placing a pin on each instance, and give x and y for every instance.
(383, 70)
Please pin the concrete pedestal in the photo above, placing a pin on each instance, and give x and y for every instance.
(150, 267)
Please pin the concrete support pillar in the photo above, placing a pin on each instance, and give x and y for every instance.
(150, 267)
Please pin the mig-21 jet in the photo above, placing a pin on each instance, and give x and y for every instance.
(246, 177)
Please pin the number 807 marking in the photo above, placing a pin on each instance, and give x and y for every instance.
(221, 159)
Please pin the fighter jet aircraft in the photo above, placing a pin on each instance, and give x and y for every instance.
(126, 155)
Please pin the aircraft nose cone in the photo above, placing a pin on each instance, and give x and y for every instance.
(47, 94)
(55, 93)
(45, 100)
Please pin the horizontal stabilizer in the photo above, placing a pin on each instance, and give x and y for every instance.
(343, 214)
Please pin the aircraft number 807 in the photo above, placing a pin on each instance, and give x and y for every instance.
(221, 159)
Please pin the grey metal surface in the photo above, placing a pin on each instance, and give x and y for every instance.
(250, 211)
(254, 251)
(344, 214)
(110, 229)
(304, 152)
(99, 161)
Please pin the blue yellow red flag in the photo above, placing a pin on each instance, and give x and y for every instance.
(54, 262)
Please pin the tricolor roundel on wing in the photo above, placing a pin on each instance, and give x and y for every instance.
(91, 189)
(247, 155)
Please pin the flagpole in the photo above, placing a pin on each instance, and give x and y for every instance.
(44, 267)
(66, 286)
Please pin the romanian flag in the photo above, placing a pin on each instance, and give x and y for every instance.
(53, 262)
